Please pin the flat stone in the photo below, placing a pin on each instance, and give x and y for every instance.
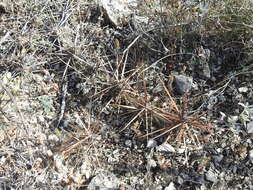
(251, 155)
(250, 127)
(128, 143)
(104, 181)
(165, 147)
(151, 143)
(243, 89)
(211, 176)
(183, 83)
(170, 187)
(118, 12)
(218, 158)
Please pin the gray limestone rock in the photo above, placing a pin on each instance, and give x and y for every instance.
(118, 12)
(183, 83)
(250, 127)
(104, 181)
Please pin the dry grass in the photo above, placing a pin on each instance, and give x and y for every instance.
(166, 119)
(45, 43)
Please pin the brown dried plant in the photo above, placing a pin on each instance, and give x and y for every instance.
(173, 121)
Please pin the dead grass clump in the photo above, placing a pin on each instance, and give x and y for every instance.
(161, 116)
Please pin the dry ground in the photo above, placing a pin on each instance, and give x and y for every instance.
(80, 99)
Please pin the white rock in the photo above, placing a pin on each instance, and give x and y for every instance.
(86, 170)
(251, 155)
(151, 163)
(50, 154)
(151, 143)
(118, 11)
(53, 137)
(250, 127)
(104, 180)
(2, 136)
(170, 187)
(233, 119)
(211, 176)
(181, 150)
(243, 89)
(165, 147)
(3, 160)
(41, 118)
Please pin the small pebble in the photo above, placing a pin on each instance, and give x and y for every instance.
(53, 137)
(165, 147)
(128, 143)
(250, 127)
(183, 83)
(218, 158)
(151, 143)
(211, 176)
(104, 180)
(251, 155)
(243, 89)
(50, 154)
(170, 187)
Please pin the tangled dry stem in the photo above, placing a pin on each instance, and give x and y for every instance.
(172, 121)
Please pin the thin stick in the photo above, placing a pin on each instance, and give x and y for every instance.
(129, 123)
(168, 93)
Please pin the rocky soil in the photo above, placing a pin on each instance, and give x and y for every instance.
(131, 95)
